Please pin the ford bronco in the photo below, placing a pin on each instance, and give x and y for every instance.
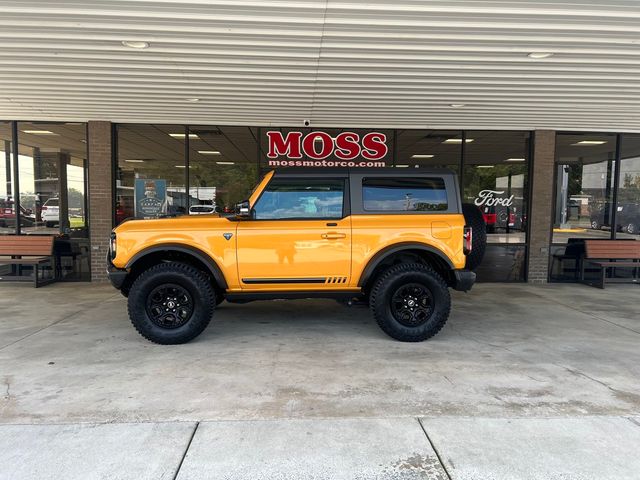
(394, 240)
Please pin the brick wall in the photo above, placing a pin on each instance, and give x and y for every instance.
(100, 196)
(541, 206)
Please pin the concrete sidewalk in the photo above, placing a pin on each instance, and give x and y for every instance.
(603, 448)
(537, 382)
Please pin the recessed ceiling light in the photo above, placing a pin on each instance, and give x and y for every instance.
(83, 140)
(209, 152)
(457, 105)
(420, 155)
(590, 142)
(484, 166)
(39, 132)
(182, 166)
(182, 135)
(538, 55)
(193, 100)
(225, 163)
(134, 161)
(515, 160)
(135, 44)
(458, 140)
(402, 166)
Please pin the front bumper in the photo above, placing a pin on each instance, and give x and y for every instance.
(116, 276)
(463, 280)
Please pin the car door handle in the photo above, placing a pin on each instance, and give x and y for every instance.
(333, 235)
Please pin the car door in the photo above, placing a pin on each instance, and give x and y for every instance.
(298, 237)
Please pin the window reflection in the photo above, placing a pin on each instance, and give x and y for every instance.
(222, 166)
(151, 157)
(584, 176)
(628, 207)
(496, 175)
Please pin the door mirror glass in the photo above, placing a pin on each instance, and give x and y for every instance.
(243, 209)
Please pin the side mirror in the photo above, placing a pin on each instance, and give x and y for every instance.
(243, 209)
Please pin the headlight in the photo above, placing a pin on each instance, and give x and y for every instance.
(112, 245)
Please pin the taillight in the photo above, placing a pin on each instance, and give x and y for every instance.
(468, 240)
(44, 209)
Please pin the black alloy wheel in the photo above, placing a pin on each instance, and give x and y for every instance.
(412, 304)
(169, 306)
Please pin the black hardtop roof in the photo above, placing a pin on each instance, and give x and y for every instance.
(345, 172)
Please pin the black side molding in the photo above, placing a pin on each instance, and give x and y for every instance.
(254, 281)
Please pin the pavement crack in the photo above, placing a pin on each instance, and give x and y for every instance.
(634, 421)
(578, 373)
(435, 450)
(186, 450)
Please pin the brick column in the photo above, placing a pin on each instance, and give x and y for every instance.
(100, 196)
(541, 205)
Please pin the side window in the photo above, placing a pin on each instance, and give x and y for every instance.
(404, 194)
(300, 198)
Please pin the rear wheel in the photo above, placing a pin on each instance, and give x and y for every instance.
(595, 225)
(474, 219)
(410, 302)
(632, 228)
(171, 303)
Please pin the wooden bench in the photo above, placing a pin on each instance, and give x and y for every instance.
(609, 255)
(32, 250)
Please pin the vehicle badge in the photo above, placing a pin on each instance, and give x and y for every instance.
(227, 235)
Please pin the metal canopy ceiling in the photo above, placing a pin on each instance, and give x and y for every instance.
(352, 63)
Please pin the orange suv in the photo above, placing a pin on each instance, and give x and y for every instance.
(395, 240)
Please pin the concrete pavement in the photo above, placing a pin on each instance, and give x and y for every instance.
(269, 382)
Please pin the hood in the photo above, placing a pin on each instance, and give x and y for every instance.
(183, 222)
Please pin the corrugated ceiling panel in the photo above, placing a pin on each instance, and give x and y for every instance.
(336, 63)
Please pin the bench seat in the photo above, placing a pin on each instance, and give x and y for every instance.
(608, 255)
(29, 250)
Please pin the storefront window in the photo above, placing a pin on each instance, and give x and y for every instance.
(52, 200)
(429, 148)
(223, 166)
(495, 176)
(151, 172)
(584, 175)
(628, 207)
(52, 161)
(7, 208)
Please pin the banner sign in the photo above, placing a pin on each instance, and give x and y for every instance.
(150, 198)
(316, 147)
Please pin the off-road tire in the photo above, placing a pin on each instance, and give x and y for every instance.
(193, 281)
(390, 282)
(595, 225)
(474, 219)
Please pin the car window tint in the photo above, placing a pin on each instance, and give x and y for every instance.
(52, 202)
(404, 194)
(300, 198)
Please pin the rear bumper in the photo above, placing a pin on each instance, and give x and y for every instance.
(116, 276)
(463, 280)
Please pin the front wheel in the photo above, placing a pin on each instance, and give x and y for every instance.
(171, 303)
(410, 302)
